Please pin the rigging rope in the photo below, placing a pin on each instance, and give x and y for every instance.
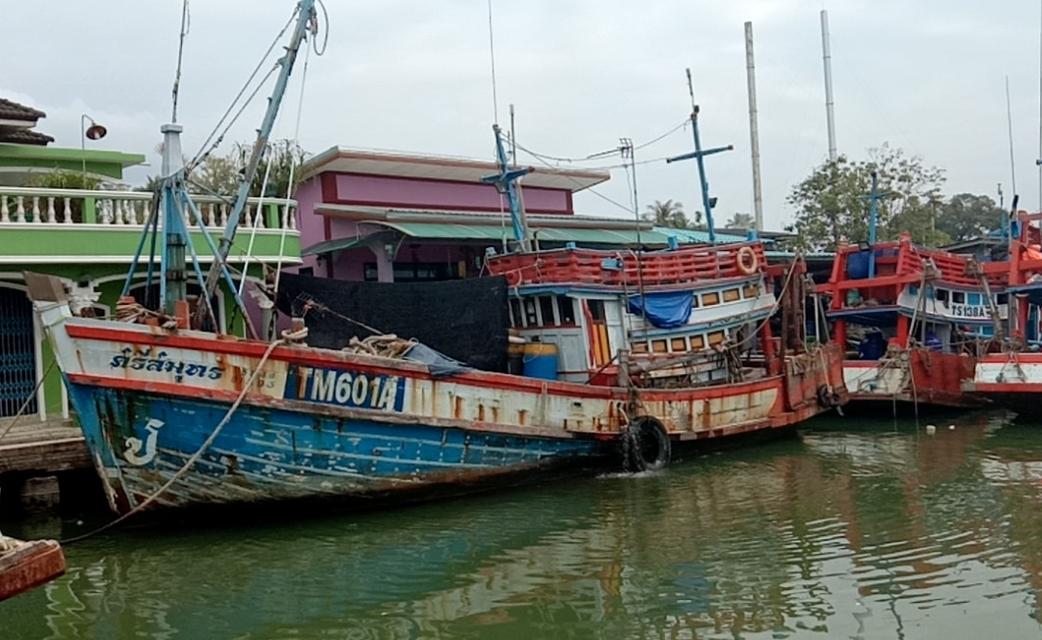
(608, 152)
(285, 218)
(203, 150)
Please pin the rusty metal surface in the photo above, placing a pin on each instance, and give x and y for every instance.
(29, 565)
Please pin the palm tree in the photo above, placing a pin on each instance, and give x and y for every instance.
(669, 214)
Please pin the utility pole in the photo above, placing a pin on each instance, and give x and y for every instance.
(830, 105)
(754, 129)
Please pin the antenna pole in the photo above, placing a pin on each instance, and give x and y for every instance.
(754, 129)
(699, 154)
(628, 152)
(180, 54)
(830, 106)
(1009, 125)
(513, 137)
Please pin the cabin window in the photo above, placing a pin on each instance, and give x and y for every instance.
(546, 310)
(958, 297)
(730, 295)
(942, 295)
(715, 338)
(973, 298)
(679, 345)
(566, 310)
(597, 310)
(639, 347)
(698, 342)
(709, 299)
(913, 290)
(531, 318)
(751, 291)
(515, 313)
(659, 346)
(1002, 298)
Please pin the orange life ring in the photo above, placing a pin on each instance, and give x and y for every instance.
(747, 262)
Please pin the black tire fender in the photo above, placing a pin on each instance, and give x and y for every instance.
(827, 398)
(644, 446)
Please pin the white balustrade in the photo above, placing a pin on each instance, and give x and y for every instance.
(32, 205)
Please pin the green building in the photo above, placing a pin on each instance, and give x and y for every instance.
(87, 237)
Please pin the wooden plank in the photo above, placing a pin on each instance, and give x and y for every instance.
(45, 456)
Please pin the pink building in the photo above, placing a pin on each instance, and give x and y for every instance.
(391, 217)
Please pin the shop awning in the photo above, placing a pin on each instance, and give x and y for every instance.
(581, 236)
(341, 244)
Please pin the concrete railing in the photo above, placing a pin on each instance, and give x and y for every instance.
(32, 205)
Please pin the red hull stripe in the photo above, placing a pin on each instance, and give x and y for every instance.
(332, 359)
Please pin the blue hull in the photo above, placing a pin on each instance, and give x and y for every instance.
(139, 440)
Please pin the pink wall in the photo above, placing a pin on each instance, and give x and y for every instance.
(439, 194)
(311, 225)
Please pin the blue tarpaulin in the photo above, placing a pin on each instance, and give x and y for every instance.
(664, 310)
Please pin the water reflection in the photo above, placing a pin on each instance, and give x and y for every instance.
(857, 529)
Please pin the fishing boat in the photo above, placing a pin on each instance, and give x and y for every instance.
(912, 320)
(25, 565)
(670, 347)
(1011, 373)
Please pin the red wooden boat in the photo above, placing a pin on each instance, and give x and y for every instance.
(26, 565)
(913, 321)
(1012, 374)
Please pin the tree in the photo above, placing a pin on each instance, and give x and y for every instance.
(670, 214)
(966, 216)
(832, 203)
(220, 174)
(741, 221)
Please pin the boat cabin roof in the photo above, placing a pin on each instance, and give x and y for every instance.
(693, 265)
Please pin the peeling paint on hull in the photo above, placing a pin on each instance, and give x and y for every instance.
(264, 454)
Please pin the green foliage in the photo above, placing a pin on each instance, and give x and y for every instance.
(220, 174)
(832, 205)
(670, 214)
(966, 216)
(741, 221)
(62, 179)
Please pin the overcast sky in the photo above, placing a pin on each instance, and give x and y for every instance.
(413, 75)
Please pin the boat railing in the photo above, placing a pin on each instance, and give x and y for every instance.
(624, 268)
(45, 206)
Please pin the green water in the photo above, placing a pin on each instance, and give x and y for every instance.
(853, 529)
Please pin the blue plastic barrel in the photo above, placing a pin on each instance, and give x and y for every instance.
(857, 265)
(540, 361)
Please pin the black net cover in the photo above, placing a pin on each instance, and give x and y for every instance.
(466, 320)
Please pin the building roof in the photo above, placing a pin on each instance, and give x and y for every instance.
(585, 231)
(24, 136)
(10, 110)
(403, 165)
